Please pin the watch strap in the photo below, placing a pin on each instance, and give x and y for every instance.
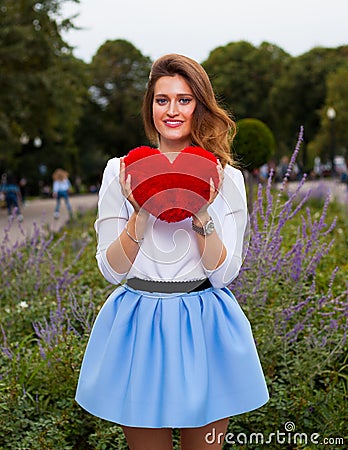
(203, 231)
(197, 229)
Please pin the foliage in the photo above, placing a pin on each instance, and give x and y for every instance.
(337, 97)
(47, 312)
(243, 76)
(290, 288)
(254, 143)
(283, 91)
(254, 146)
(85, 113)
(41, 87)
(112, 123)
(299, 317)
(299, 93)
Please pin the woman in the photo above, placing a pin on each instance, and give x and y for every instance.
(61, 188)
(171, 348)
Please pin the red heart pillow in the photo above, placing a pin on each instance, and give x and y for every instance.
(171, 191)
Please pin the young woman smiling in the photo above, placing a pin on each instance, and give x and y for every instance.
(171, 347)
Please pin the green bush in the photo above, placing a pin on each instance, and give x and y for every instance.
(254, 143)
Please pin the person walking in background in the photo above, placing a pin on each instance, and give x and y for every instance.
(61, 189)
(12, 194)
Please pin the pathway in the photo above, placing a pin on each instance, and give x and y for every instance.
(40, 211)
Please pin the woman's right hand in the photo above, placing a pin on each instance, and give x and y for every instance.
(126, 186)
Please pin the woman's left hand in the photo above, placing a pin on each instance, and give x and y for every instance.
(213, 190)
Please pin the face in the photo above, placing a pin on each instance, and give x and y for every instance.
(173, 108)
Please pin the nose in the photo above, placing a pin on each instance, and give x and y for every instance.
(172, 108)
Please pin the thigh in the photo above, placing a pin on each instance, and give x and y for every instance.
(8, 202)
(66, 198)
(209, 437)
(11, 200)
(148, 438)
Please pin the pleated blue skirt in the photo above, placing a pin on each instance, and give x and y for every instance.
(170, 360)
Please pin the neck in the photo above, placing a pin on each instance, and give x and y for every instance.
(172, 147)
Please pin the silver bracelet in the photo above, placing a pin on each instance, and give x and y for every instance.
(132, 238)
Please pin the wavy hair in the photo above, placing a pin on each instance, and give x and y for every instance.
(212, 127)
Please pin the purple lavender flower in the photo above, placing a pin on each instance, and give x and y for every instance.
(273, 267)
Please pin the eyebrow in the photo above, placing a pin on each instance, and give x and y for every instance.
(178, 95)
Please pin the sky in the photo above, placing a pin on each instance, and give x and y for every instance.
(196, 27)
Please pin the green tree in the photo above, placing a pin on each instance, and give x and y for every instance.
(298, 95)
(66, 101)
(243, 75)
(40, 81)
(283, 91)
(336, 97)
(254, 145)
(112, 123)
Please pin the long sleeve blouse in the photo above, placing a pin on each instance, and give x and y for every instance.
(169, 251)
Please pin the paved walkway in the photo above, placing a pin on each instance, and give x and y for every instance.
(320, 188)
(40, 211)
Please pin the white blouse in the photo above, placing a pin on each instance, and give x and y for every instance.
(61, 185)
(169, 251)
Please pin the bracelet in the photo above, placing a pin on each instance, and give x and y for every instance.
(132, 238)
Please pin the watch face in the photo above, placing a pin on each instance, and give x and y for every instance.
(209, 228)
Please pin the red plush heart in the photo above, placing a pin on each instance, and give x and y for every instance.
(171, 191)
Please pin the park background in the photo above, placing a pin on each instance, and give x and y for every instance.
(57, 110)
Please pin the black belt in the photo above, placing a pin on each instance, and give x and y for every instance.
(168, 287)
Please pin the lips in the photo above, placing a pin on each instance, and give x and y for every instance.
(173, 123)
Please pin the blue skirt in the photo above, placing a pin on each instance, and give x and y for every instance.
(158, 360)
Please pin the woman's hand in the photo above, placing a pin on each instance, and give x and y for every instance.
(215, 190)
(126, 186)
(122, 252)
(212, 249)
(202, 214)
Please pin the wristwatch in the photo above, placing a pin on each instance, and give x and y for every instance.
(207, 229)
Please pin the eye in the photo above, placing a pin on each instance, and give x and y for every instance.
(161, 101)
(185, 100)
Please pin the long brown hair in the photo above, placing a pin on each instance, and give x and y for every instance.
(212, 128)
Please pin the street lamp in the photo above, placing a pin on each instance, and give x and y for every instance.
(331, 115)
(24, 139)
(37, 142)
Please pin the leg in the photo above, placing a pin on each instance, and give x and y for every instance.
(65, 195)
(148, 438)
(56, 211)
(58, 203)
(68, 206)
(209, 437)
(18, 211)
(9, 204)
(12, 204)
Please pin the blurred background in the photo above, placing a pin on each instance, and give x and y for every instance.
(57, 110)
